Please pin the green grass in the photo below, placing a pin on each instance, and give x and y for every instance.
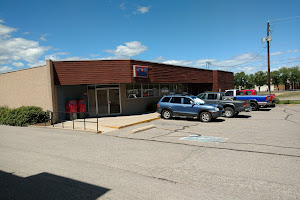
(290, 94)
(288, 101)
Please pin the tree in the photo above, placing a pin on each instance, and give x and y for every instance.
(240, 79)
(294, 75)
(250, 83)
(260, 79)
(275, 78)
(285, 76)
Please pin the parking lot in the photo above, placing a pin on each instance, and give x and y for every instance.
(269, 130)
(253, 156)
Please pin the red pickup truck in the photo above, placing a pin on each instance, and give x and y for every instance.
(253, 92)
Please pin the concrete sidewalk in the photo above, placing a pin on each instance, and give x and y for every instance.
(107, 124)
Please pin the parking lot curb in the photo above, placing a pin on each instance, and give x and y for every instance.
(127, 125)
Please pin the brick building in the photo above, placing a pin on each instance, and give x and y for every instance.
(108, 86)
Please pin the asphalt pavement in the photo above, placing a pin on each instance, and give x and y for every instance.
(253, 156)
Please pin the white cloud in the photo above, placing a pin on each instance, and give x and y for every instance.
(143, 9)
(122, 6)
(37, 63)
(5, 30)
(26, 33)
(18, 64)
(43, 37)
(277, 53)
(94, 55)
(178, 62)
(293, 51)
(130, 49)
(21, 49)
(1, 21)
(18, 49)
(5, 69)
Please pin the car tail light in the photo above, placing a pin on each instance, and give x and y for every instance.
(244, 104)
(158, 105)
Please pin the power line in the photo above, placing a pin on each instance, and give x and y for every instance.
(243, 62)
(283, 18)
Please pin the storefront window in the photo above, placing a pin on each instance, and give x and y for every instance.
(145, 90)
(133, 91)
(156, 90)
(164, 90)
(150, 91)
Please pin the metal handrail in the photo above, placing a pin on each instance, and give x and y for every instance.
(73, 121)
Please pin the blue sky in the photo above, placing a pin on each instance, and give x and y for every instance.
(227, 33)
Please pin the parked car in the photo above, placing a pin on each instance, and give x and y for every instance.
(256, 101)
(254, 92)
(187, 106)
(231, 107)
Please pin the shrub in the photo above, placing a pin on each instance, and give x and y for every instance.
(23, 116)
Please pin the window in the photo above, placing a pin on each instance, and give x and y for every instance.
(187, 101)
(212, 96)
(156, 90)
(164, 89)
(145, 90)
(176, 100)
(248, 93)
(201, 96)
(133, 91)
(166, 99)
(229, 93)
(239, 93)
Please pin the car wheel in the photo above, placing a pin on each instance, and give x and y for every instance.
(205, 117)
(229, 112)
(254, 106)
(166, 114)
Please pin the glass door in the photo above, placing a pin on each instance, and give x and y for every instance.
(114, 101)
(102, 101)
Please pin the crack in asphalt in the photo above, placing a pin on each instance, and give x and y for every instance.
(174, 131)
(288, 115)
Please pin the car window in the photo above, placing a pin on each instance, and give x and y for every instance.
(201, 96)
(229, 93)
(248, 93)
(166, 99)
(212, 96)
(187, 100)
(176, 100)
(198, 101)
(239, 93)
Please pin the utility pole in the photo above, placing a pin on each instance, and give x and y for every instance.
(268, 43)
(207, 64)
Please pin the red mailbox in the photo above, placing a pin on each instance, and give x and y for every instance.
(82, 105)
(71, 106)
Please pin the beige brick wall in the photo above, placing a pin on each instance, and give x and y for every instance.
(28, 87)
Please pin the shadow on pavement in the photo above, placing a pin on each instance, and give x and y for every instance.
(264, 109)
(242, 116)
(46, 186)
(195, 120)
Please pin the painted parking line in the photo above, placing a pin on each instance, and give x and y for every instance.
(201, 138)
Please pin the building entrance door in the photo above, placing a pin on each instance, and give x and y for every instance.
(108, 101)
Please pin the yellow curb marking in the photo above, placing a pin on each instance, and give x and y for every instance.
(119, 127)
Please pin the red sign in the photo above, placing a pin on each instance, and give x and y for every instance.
(140, 71)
